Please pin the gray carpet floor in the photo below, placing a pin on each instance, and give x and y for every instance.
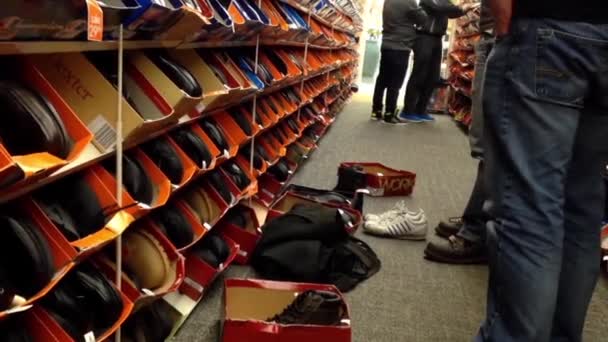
(410, 299)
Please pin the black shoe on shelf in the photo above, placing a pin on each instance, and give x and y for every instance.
(312, 308)
(456, 250)
(393, 119)
(452, 226)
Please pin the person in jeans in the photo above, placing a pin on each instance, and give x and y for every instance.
(546, 123)
(428, 51)
(398, 35)
(464, 241)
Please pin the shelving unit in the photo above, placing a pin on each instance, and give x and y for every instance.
(322, 89)
(461, 63)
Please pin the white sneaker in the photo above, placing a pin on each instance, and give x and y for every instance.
(399, 226)
(399, 208)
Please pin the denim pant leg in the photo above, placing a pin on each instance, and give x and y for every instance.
(585, 195)
(474, 218)
(476, 130)
(533, 102)
(474, 228)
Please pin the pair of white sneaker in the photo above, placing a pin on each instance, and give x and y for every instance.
(398, 223)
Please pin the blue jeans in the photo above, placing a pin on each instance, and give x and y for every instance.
(546, 112)
(474, 228)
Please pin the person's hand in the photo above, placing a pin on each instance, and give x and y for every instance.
(502, 11)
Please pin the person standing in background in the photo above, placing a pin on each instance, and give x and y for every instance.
(464, 241)
(398, 35)
(546, 122)
(428, 50)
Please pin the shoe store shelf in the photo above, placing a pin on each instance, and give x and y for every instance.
(299, 85)
(297, 5)
(46, 47)
(247, 142)
(185, 305)
(460, 80)
(92, 156)
(176, 191)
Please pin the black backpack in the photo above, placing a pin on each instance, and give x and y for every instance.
(310, 244)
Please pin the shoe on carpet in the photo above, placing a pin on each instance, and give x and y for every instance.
(408, 117)
(456, 250)
(392, 119)
(399, 207)
(452, 226)
(313, 308)
(425, 117)
(376, 115)
(399, 225)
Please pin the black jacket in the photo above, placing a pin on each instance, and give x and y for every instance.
(439, 11)
(399, 18)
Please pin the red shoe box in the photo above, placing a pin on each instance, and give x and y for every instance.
(384, 181)
(246, 237)
(249, 302)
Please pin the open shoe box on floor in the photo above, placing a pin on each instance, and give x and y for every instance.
(382, 180)
(249, 302)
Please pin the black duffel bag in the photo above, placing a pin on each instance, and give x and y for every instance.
(310, 243)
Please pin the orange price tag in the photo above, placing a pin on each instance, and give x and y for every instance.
(95, 21)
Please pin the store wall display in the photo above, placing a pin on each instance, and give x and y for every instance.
(86, 301)
(189, 122)
(32, 113)
(462, 66)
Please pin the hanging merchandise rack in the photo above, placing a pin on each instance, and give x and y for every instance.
(462, 66)
(140, 148)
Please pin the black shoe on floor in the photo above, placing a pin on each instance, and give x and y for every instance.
(392, 119)
(376, 115)
(452, 226)
(351, 179)
(313, 308)
(456, 250)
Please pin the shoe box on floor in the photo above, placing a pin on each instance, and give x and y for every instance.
(382, 180)
(248, 303)
(288, 200)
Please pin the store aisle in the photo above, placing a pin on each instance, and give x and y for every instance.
(410, 299)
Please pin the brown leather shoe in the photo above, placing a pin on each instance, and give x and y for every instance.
(452, 226)
(456, 250)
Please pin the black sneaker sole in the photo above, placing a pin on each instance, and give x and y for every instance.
(431, 255)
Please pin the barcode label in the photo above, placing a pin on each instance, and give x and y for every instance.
(104, 133)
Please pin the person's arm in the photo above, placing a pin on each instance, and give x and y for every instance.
(502, 10)
(416, 13)
(445, 7)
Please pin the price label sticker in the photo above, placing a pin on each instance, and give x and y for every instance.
(89, 337)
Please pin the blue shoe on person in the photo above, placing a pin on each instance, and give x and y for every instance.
(407, 117)
(425, 117)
